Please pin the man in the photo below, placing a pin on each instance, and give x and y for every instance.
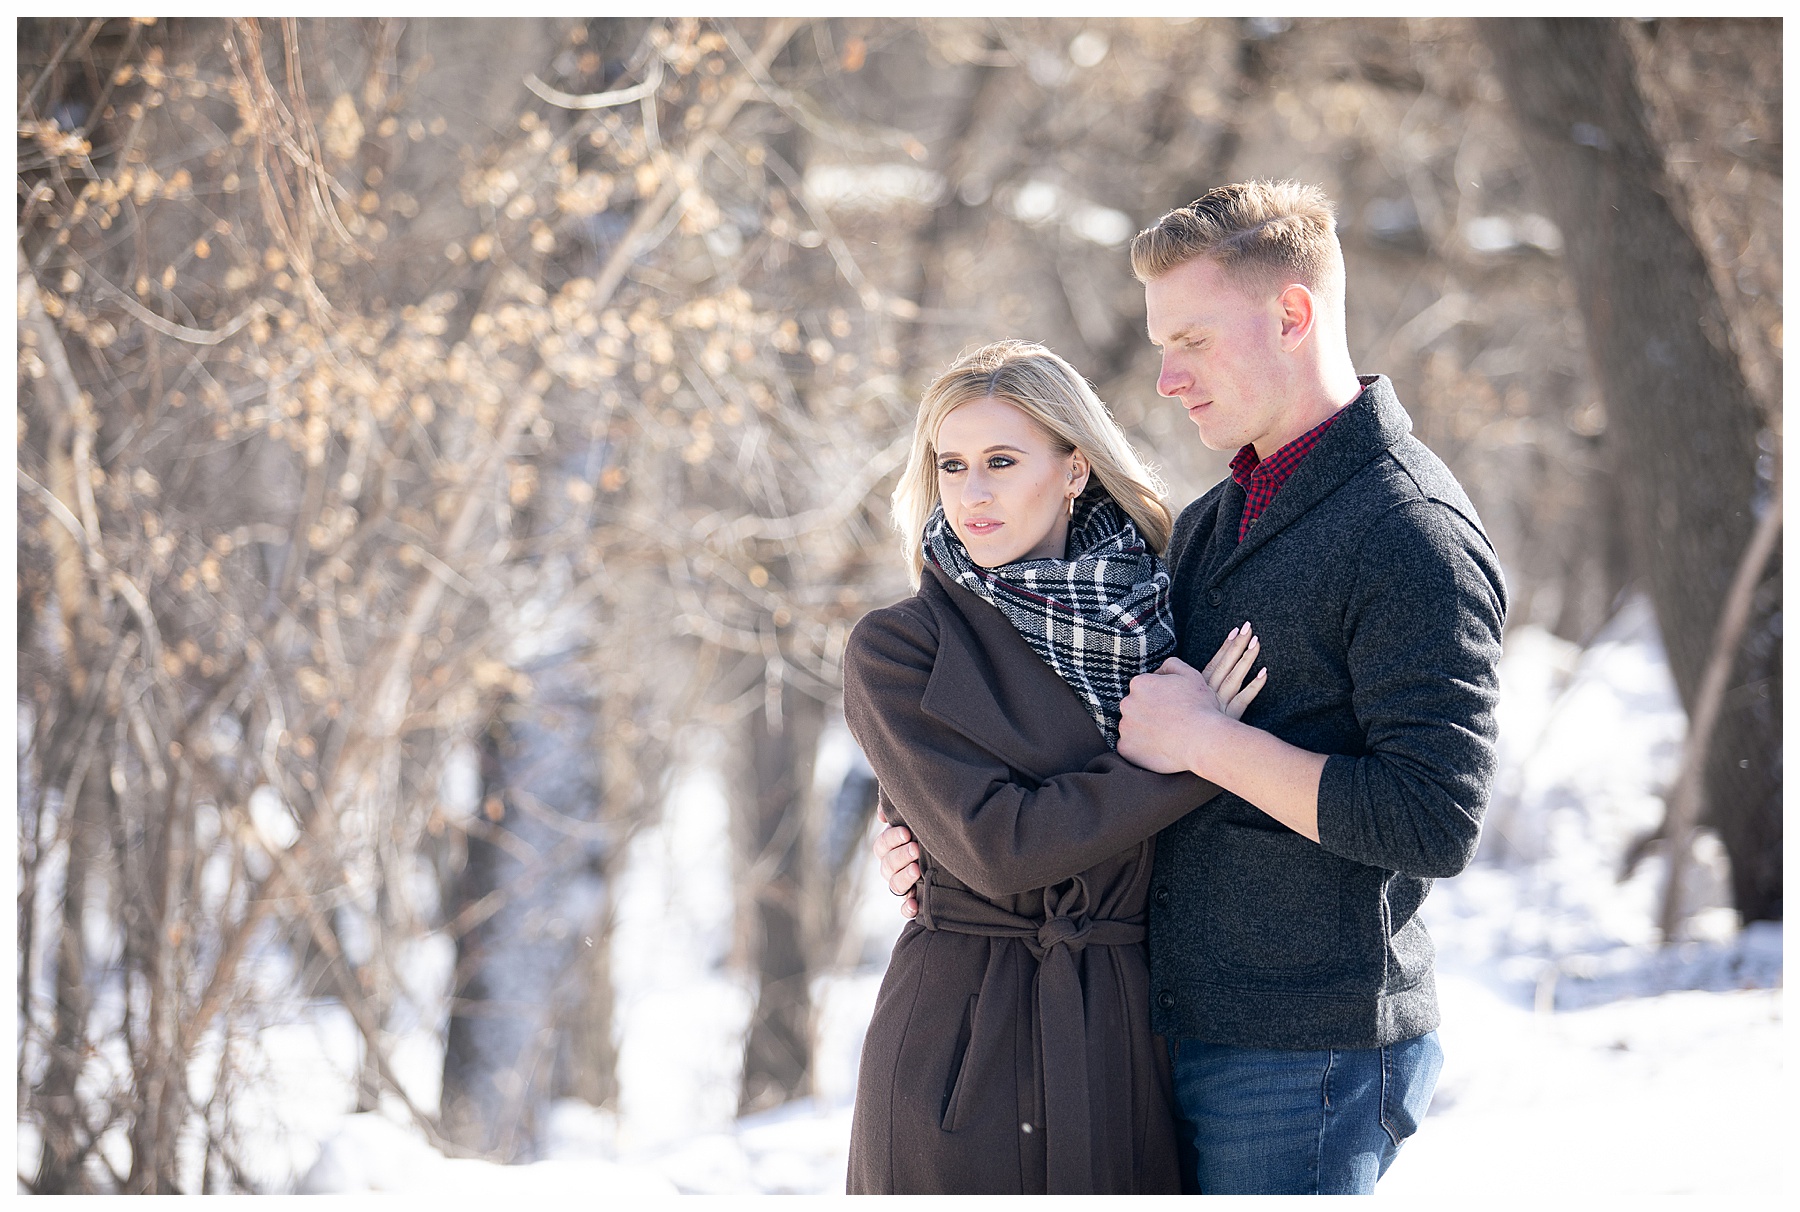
(1290, 974)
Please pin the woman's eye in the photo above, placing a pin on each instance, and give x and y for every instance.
(1000, 461)
(949, 465)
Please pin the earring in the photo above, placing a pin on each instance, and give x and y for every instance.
(1071, 506)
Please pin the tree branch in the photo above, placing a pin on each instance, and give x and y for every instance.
(617, 96)
(1684, 799)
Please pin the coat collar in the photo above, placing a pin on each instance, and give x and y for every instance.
(1370, 425)
(989, 685)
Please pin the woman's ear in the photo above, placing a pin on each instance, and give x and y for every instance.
(1078, 473)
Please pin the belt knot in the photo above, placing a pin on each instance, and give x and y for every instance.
(1069, 931)
(1066, 921)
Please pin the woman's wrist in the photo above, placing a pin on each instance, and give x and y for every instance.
(1212, 733)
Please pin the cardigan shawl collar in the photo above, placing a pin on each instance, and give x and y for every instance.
(1368, 425)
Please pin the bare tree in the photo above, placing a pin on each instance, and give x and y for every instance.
(267, 497)
(395, 387)
(1686, 449)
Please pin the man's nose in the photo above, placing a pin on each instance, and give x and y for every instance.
(1172, 380)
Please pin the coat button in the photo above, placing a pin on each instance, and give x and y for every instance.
(1166, 1000)
(1162, 896)
(1214, 597)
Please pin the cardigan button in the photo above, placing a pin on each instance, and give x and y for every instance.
(1166, 1000)
(1214, 597)
(1162, 896)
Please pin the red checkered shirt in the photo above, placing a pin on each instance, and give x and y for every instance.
(1261, 479)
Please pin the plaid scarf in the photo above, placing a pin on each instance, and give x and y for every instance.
(1098, 619)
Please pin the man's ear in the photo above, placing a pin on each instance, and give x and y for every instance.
(1298, 311)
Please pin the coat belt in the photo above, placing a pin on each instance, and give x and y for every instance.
(1053, 941)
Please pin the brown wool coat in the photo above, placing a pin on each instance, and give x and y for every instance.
(1010, 1050)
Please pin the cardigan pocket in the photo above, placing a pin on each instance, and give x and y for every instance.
(1273, 903)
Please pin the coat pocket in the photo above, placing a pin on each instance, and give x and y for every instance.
(1272, 903)
(960, 1062)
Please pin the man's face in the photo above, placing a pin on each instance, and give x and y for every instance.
(1222, 353)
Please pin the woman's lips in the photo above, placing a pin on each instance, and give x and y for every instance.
(982, 526)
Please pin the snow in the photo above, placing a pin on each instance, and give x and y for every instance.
(1676, 1094)
(680, 1006)
(681, 1013)
(372, 1153)
(1583, 1060)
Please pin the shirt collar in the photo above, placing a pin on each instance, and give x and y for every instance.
(1246, 463)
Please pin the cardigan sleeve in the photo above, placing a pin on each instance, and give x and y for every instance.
(1422, 636)
(998, 836)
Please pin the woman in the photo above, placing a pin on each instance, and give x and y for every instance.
(1010, 1048)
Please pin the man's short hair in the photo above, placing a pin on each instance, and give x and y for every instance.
(1254, 230)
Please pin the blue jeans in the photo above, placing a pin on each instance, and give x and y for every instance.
(1269, 1121)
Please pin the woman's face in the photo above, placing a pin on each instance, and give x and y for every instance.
(1005, 489)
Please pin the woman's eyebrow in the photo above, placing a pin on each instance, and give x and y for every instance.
(951, 454)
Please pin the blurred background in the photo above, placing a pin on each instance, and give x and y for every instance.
(451, 455)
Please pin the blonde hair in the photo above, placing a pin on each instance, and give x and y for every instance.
(1257, 231)
(1050, 392)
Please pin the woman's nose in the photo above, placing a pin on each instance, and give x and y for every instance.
(976, 489)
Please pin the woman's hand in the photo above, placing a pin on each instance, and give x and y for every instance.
(1163, 718)
(1225, 672)
(899, 857)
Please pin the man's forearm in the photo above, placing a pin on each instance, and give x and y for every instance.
(1280, 779)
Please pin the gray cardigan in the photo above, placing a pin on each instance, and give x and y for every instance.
(1379, 603)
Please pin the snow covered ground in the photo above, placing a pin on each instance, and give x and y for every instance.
(1674, 1094)
(1582, 1061)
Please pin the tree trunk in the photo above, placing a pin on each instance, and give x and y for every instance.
(838, 854)
(1682, 437)
(533, 880)
(770, 795)
(66, 1134)
(587, 1060)
(536, 869)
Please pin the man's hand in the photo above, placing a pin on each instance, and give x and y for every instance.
(1167, 712)
(899, 857)
(1182, 718)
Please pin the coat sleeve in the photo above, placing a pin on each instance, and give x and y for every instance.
(997, 836)
(1422, 634)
